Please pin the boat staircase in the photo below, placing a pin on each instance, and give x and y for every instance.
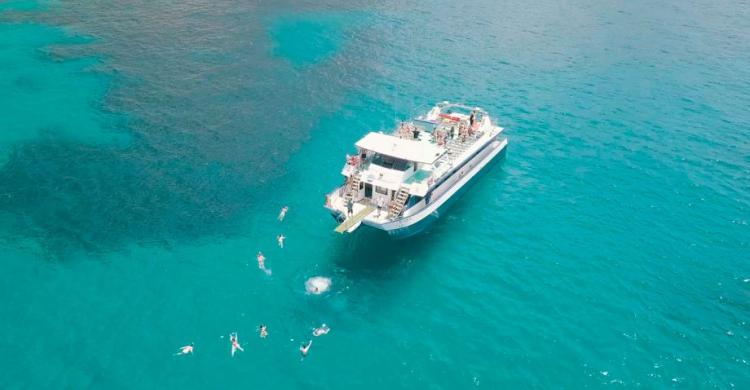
(354, 220)
(397, 206)
(457, 147)
(353, 187)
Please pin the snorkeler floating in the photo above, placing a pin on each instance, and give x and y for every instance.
(185, 350)
(261, 260)
(235, 343)
(280, 238)
(263, 331)
(282, 213)
(304, 348)
(323, 329)
(262, 263)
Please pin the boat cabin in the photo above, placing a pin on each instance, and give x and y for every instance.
(386, 164)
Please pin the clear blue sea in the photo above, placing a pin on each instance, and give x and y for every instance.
(147, 146)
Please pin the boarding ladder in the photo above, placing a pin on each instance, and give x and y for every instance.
(354, 220)
(353, 187)
(397, 205)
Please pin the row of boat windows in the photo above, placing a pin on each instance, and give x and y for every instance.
(380, 190)
(412, 200)
(392, 163)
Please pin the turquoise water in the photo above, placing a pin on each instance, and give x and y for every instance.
(146, 148)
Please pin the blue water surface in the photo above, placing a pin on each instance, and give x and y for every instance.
(147, 147)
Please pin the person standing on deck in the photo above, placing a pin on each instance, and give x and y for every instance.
(349, 208)
(472, 122)
(381, 203)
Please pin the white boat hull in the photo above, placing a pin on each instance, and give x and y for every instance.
(443, 195)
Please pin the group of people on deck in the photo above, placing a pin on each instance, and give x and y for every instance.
(454, 127)
(408, 130)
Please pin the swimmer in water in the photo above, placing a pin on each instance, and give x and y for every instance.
(262, 263)
(304, 348)
(263, 331)
(324, 329)
(282, 213)
(280, 238)
(261, 260)
(235, 344)
(185, 350)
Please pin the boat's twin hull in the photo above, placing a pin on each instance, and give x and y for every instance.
(449, 191)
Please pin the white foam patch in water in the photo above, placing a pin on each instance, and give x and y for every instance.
(317, 285)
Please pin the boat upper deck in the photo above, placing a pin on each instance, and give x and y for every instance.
(421, 152)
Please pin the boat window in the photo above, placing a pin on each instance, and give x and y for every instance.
(423, 125)
(381, 190)
(390, 162)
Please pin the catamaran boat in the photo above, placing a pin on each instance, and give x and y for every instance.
(401, 182)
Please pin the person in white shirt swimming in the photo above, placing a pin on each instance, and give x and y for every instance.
(304, 348)
(235, 343)
(185, 350)
(282, 213)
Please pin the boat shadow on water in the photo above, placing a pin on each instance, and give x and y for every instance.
(370, 251)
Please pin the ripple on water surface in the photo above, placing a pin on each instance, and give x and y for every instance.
(608, 248)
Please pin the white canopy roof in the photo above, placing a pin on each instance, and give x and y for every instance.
(405, 149)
